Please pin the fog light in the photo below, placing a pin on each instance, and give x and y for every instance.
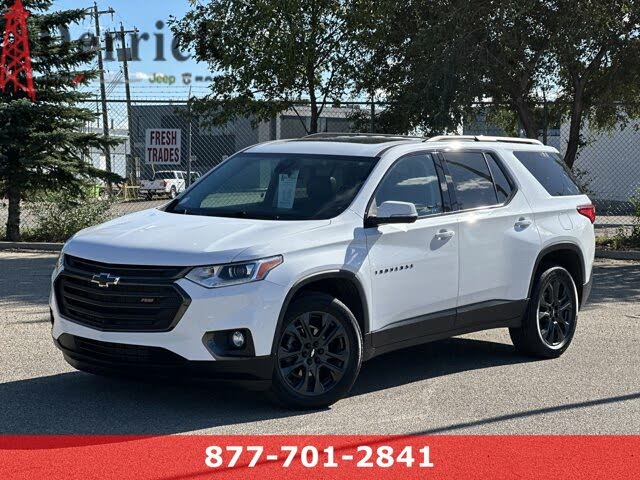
(237, 338)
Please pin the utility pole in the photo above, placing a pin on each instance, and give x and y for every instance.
(372, 127)
(545, 118)
(130, 168)
(188, 179)
(103, 90)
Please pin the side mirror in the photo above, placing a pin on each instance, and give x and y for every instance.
(393, 212)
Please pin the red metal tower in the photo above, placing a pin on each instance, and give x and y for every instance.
(15, 60)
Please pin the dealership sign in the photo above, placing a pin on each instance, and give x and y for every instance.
(163, 146)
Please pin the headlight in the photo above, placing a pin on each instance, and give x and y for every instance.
(215, 276)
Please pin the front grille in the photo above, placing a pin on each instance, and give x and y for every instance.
(149, 272)
(144, 298)
(118, 353)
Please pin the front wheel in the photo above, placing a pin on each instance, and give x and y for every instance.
(552, 316)
(318, 353)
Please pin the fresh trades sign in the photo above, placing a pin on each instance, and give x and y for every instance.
(163, 146)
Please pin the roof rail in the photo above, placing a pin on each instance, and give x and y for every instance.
(482, 138)
(363, 135)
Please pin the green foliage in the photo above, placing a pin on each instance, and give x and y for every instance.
(42, 145)
(58, 216)
(267, 55)
(583, 57)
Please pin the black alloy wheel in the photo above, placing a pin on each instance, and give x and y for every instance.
(550, 322)
(313, 353)
(556, 311)
(317, 353)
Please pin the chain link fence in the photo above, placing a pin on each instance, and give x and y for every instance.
(608, 162)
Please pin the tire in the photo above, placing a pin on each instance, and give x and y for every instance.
(149, 196)
(318, 353)
(173, 193)
(551, 319)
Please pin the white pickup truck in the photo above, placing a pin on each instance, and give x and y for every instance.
(166, 182)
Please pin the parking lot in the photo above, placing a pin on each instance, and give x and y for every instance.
(470, 384)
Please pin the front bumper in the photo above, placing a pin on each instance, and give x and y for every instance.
(254, 307)
(157, 363)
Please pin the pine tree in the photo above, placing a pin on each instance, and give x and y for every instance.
(42, 143)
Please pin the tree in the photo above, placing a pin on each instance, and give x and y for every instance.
(597, 49)
(268, 55)
(583, 56)
(42, 143)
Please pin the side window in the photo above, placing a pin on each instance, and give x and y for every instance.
(413, 179)
(550, 171)
(471, 179)
(179, 175)
(500, 180)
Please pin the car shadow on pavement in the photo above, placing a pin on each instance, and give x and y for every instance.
(433, 360)
(83, 404)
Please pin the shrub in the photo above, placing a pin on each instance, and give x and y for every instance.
(58, 216)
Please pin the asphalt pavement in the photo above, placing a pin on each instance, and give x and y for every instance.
(474, 384)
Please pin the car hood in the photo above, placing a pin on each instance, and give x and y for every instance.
(154, 237)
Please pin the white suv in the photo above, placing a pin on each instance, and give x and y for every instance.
(292, 262)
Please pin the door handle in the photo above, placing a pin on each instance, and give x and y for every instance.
(444, 234)
(523, 223)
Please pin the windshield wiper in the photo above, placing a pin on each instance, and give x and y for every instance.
(225, 214)
(182, 211)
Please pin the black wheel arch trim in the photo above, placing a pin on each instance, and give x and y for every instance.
(554, 248)
(326, 275)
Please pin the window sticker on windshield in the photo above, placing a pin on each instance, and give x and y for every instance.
(287, 189)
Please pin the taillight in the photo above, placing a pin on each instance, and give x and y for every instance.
(164, 182)
(588, 211)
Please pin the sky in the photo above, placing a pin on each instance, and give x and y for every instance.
(144, 74)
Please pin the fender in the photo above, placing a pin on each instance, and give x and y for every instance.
(332, 274)
(553, 248)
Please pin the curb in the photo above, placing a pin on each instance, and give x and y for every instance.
(618, 255)
(31, 246)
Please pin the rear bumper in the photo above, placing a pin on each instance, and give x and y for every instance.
(135, 361)
(157, 191)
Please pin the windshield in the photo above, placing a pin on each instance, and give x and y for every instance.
(278, 187)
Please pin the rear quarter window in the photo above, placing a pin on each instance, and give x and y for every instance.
(551, 172)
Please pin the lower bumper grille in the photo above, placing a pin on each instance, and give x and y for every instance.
(118, 354)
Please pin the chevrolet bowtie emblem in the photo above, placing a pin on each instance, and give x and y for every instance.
(105, 280)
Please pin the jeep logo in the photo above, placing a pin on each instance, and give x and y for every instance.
(105, 280)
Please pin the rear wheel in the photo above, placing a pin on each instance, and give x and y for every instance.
(319, 353)
(552, 316)
(173, 193)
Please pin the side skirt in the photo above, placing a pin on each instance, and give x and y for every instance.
(445, 324)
